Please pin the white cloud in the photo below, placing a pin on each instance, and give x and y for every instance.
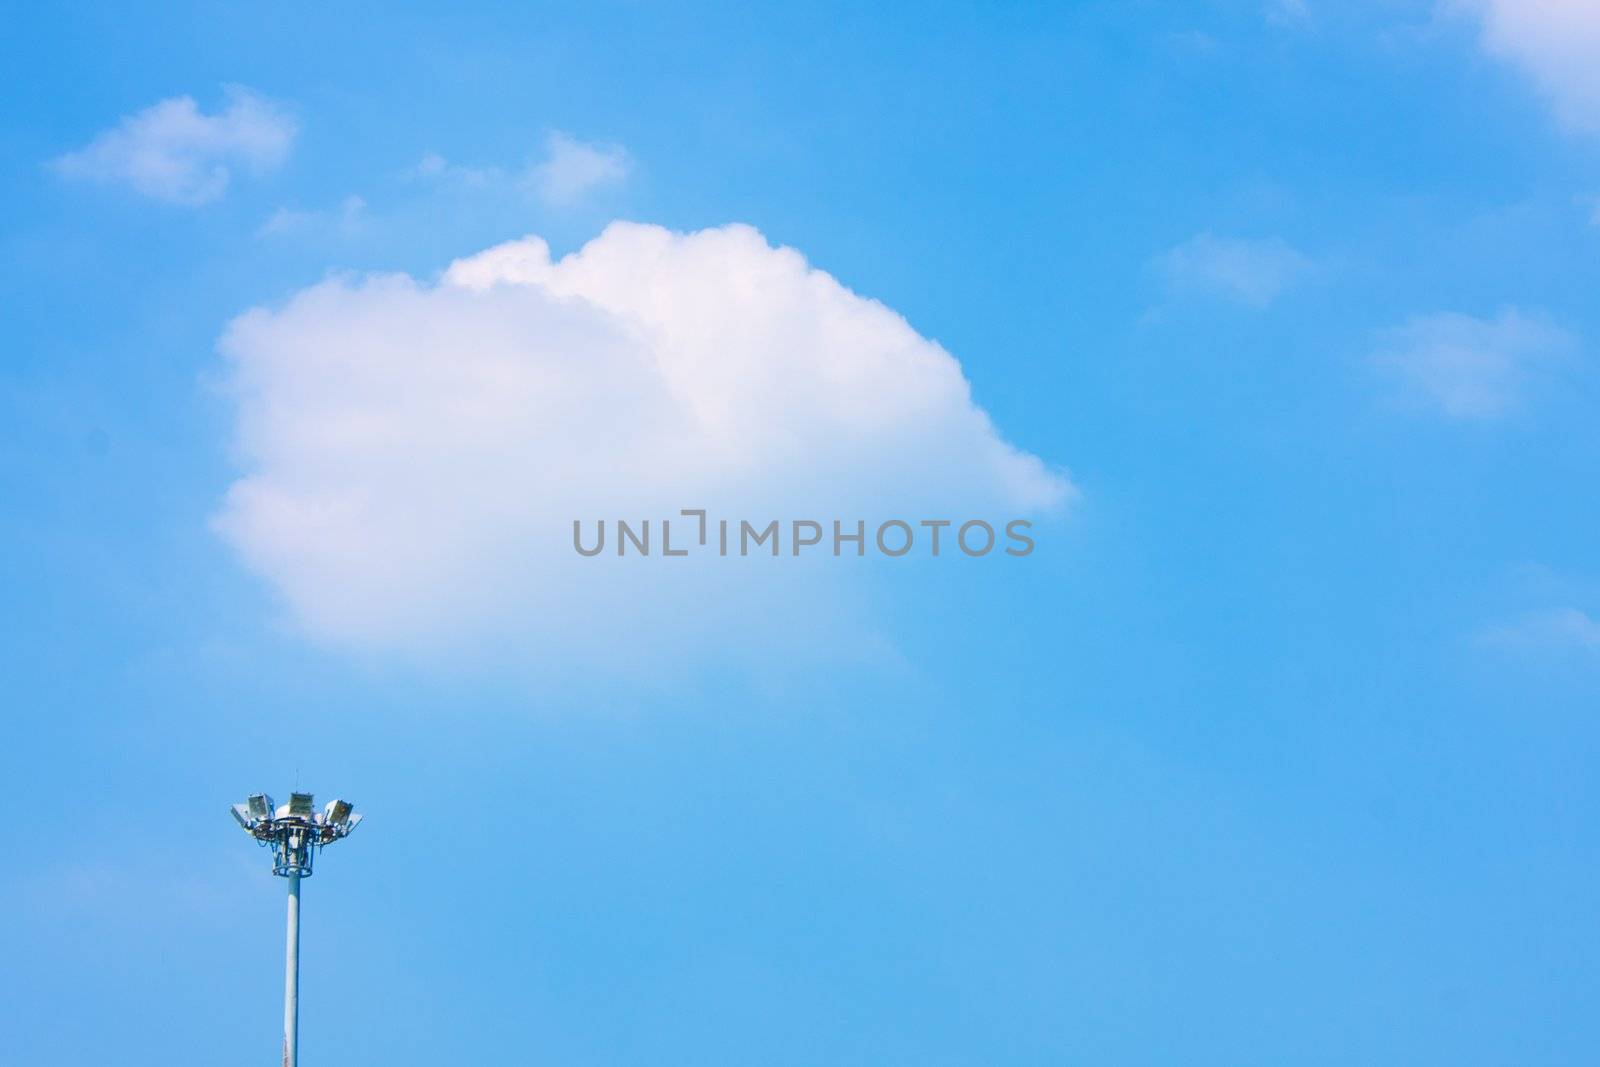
(569, 171)
(571, 168)
(346, 219)
(1555, 42)
(415, 453)
(174, 152)
(1555, 629)
(1287, 12)
(433, 167)
(1253, 272)
(1469, 368)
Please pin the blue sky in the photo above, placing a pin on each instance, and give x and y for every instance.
(1278, 749)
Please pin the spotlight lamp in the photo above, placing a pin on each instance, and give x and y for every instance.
(295, 831)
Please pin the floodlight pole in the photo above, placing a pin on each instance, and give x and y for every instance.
(295, 833)
(291, 978)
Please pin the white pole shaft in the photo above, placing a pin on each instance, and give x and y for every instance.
(291, 979)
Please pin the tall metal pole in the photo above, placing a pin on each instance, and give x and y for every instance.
(291, 978)
(295, 832)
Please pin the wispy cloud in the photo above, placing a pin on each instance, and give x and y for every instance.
(1287, 12)
(172, 151)
(1469, 368)
(1251, 271)
(567, 172)
(345, 219)
(572, 168)
(1551, 629)
(433, 167)
(1555, 42)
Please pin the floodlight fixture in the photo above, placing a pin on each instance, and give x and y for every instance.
(295, 832)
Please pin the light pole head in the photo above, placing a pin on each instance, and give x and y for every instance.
(296, 831)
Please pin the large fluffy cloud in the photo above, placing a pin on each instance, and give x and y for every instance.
(1557, 42)
(415, 453)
